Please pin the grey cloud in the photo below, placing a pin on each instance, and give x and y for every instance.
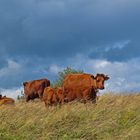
(46, 27)
(38, 33)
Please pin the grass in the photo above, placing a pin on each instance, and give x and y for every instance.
(113, 117)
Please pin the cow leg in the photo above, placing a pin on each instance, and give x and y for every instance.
(60, 98)
(46, 104)
(62, 101)
(94, 96)
(94, 101)
(40, 97)
(40, 94)
(86, 95)
(27, 98)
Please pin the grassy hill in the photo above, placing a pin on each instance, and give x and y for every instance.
(113, 117)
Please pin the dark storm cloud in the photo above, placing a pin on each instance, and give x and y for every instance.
(47, 28)
(36, 33)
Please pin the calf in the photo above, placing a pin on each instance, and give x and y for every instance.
(53, 96)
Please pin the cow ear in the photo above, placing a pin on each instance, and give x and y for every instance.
(107, 77)
(92, 76)
(97, 75)
(25, 83)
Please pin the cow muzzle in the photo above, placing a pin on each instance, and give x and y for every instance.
(102, 88)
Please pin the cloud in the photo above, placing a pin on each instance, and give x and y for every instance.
(115, 51)
(123, 75)
(118, 45)
(13, 93)
(54, 69)
(11, 68)
(51, 28)
(11, 74)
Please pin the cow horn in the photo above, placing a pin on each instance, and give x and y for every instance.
(24, 83)
(107, 77)
(92, 76)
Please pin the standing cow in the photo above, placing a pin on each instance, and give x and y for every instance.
(53, 96)
(34, 89)
(83, 86)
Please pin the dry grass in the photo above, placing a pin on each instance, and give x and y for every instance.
(113, 117)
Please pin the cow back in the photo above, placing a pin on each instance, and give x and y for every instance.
(79, 81)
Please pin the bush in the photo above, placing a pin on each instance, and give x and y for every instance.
(61, 75)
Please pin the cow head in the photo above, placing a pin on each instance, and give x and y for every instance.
(100, 78)
(25, 83)
(25, 87)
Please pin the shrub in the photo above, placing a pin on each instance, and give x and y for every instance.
(61, 75)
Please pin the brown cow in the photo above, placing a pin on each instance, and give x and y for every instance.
(34, 89)
(5, 100)
(53, 96)
(83, 86)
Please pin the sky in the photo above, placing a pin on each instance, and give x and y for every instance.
(39, 38)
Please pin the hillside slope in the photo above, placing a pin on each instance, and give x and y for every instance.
(111, 118)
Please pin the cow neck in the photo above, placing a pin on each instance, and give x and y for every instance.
(95, 84)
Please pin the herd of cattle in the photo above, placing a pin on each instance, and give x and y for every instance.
(82, 87)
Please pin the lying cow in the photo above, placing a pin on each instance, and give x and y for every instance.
(5, 100)
(83, 86)
(34, 89)
(53, 96)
